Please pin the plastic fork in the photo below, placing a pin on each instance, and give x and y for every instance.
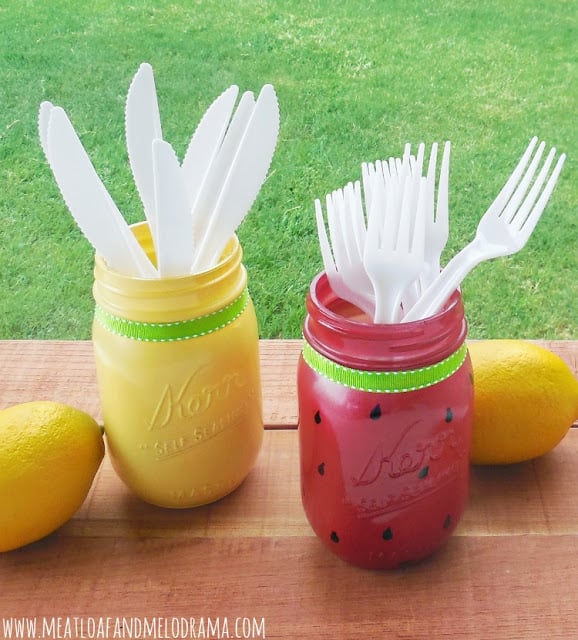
(503, 230)
(437, 217)
(343, 265)
(393, 261)
(347, 229)
(367, 176)
(391, 175)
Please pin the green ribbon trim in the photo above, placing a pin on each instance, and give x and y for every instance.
(384, 381)
(172, 331)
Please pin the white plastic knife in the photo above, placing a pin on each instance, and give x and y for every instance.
(143, 125)
(206, 141)
(89, 201)
(43, 121)
(219, 166)
(174, 220)
(244, 179)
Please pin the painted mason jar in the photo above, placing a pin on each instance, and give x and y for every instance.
(177, 362)
(385, 415)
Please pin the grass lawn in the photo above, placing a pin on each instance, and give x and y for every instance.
(355, 81)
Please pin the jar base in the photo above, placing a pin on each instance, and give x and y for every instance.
(179, 502)
(382, 561)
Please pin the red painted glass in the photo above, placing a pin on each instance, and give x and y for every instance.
(384, 473)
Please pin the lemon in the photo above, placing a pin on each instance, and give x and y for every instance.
(49, 455)
(525, 400)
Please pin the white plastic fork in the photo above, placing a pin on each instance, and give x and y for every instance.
(367, 176)
(344, 272)
(335, 277)
(437, 216)
(391, 175)
(393, 261)
(348, 232)
(503, 230)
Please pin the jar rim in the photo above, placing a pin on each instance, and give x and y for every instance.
(320, 287)
(169, 299)
(364, 344)
(232, 255)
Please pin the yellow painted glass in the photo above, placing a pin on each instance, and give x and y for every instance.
(177, 363)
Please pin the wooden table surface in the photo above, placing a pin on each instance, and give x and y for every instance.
(250, 566)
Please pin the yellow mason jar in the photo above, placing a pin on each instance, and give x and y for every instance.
(177, 363)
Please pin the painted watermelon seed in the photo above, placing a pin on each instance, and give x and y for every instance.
(317, 417)
(375, 413)
(321, 468)
(387, 534)
(423, 473)
(449, 415)
(334, 537)
(447, 521)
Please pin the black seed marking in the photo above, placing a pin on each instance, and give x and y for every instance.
(387, 534)
(375, 413)
(321, 468)
(447, 521)
(471, 378)
(334, 537)
(317, 418)
(423, 473)
(449, 415)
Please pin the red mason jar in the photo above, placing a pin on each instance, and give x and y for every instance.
(385, 415)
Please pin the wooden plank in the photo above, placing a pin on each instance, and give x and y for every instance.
(501, 588)
(507, 573)
(59, 370)
(64, 371)
(536, 497)
(279, 373)
(268, 503)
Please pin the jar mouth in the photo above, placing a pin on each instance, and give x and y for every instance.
(341, 332)
(169, 299)
(349, 318)
(231, 254)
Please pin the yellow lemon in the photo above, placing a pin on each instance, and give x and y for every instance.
(525, 400)
(49, 455)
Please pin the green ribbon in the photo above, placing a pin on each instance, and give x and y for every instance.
(173, 331)
(385, 381)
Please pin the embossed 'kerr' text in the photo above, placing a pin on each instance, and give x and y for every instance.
(404, 457)
(192, 398)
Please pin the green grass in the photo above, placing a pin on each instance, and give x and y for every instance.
(355, 81)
